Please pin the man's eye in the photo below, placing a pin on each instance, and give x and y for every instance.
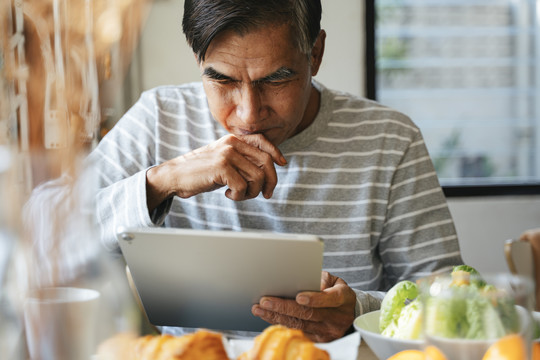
(224, 81)
(275, 83)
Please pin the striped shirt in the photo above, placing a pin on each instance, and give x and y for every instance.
(359, 177)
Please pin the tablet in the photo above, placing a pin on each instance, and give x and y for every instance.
(211, 279)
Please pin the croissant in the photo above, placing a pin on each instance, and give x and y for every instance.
(199, 345)
(278, 342)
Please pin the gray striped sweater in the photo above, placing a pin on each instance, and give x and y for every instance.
(359, 177)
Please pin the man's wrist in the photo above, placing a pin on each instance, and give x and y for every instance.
(156, 193)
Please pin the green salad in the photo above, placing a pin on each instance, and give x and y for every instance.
(474, 311)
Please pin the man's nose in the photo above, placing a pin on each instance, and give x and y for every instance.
(249, 106)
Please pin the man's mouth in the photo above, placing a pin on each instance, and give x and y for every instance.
(251, 132)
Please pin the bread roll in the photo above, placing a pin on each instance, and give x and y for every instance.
(281, 343)
(199, 345)
(118, 347)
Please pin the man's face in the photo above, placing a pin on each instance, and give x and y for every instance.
(260, 83)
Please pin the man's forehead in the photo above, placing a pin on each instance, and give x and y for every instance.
(260, 53)
(258, 44)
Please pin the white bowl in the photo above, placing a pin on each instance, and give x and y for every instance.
(382, 346)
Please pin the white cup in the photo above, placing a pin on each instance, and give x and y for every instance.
(60, 323)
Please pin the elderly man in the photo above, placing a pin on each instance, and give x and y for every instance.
(260, 145)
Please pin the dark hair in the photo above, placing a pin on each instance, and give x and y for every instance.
(204, 19)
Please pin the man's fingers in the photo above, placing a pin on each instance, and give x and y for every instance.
(277, 318)
(273, 317)
(263, 154)
(244, 179)
(260, 153)
(317, 331)
(328, 280)
(332, 297)
(323, 315)
(289, 307)
(260, 142)
(334, 293)
(265, 164)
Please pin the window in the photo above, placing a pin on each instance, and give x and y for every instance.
(468, 73)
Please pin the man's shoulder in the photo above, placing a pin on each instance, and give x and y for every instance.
(188, 98)
(357, 108)
(187, 90)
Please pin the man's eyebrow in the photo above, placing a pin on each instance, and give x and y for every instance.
(212, 73)
(283, 73)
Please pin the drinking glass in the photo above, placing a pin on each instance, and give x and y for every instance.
(76, 294)
(467, 316)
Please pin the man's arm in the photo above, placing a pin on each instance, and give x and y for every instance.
(118, 166)
(419, 236)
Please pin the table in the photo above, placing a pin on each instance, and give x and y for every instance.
(365, 353)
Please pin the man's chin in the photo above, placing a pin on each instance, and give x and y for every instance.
(270, 135)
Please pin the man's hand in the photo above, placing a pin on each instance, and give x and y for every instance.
(323, 316)
(243, 163)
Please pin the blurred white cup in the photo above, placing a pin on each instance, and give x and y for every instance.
(60, 323)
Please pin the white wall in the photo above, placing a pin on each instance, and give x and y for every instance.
(483, 224)
(165, 56)
(343, 63)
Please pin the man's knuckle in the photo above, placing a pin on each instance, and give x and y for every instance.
(258, 174)
(319, 338)
(242, 188)
(297, 324)
(308, 313)
(227, 150)
(273, 318)
(341, 298)
(252, 192)
(266, 158)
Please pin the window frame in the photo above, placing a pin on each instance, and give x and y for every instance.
(462, 190)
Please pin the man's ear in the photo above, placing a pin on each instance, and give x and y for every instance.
(317, 53)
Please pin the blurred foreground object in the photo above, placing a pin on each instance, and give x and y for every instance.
(523, 257)
(276, 342)
(202, 344)
(279, 342)
(11, 280)
(62, 61)
(469, 320)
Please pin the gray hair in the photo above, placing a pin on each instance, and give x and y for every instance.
(205, 19)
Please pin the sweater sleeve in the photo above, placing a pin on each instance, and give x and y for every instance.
(120, 162)
(419, 237)
(367, 301)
